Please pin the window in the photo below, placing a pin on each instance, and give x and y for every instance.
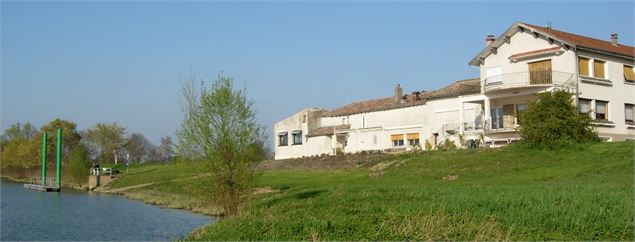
(283, 139)
(413, 139)
(297, 137)
(598, 69)
(601, 110)
(397, 140)
(629, 74)
(629, 112)
(585, 105)
(583, 66)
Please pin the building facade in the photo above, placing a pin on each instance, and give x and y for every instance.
(524, 60)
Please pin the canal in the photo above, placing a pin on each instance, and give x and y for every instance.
(74, 215)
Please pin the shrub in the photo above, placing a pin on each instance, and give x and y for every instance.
(79, 166)
(428, 145)
(447, 145)
(553, 119)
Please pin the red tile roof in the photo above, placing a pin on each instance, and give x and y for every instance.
(462, 87)
(534, 52)
(587, 42)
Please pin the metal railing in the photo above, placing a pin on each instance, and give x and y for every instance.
(455, 128)
(558, 79)
(49, 181)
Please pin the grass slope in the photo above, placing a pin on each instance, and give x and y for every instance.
(578, 193)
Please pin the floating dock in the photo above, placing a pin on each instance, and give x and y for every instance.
(43, 188)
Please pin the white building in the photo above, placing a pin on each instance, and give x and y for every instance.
(528, 59)
(523, 61)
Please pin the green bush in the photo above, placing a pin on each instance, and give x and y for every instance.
(447, 145)
(552, 120)
(79, 167)
(428, 145)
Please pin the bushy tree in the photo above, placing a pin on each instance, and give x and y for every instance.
(70, 139)
(220, 129)
(106, 139)
(553, 118)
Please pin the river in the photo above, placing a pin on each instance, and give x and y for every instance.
(74, 215)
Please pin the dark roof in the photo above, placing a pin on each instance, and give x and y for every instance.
(462, 87)
(587, 42)
(328, 130)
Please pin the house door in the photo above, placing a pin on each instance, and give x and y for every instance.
(497, 117)
(540, 72)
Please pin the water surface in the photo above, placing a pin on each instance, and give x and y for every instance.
(72, 215)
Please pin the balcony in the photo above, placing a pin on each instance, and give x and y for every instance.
(519, 80)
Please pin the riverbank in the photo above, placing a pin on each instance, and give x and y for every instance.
(583, 192)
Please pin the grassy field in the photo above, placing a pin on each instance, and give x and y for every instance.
(514, 193)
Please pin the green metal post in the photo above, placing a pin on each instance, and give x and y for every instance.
(44, 159)
(59, 158)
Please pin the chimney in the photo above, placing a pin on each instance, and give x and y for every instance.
(414, 96)
(398, 93)
(489, 40)
(614, 39)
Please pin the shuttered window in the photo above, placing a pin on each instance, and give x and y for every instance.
(396, 137)
(583, 66)
(413, 139)
(540, 72)
(598, 68)
(601, 110)
(397, 140)
(629, 73)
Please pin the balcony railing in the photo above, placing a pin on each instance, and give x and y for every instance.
(557, 79)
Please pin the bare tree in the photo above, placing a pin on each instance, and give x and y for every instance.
(138, 147)
(166, 148)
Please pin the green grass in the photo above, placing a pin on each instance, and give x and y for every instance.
(578, 193)
(583, 192)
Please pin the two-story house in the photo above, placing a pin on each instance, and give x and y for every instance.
(528, 59)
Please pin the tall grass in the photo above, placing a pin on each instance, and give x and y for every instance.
(580, 192)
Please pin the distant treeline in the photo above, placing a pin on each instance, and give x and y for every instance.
(21, 147)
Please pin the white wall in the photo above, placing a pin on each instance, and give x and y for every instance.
(617, 94)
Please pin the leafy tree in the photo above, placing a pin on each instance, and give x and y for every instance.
(220, 129)
(70, 139)
(553, 118)
(21, 153)
(17, 130)
(106, 139)
(138, 147)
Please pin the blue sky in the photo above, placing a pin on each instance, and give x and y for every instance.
(124, 61)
